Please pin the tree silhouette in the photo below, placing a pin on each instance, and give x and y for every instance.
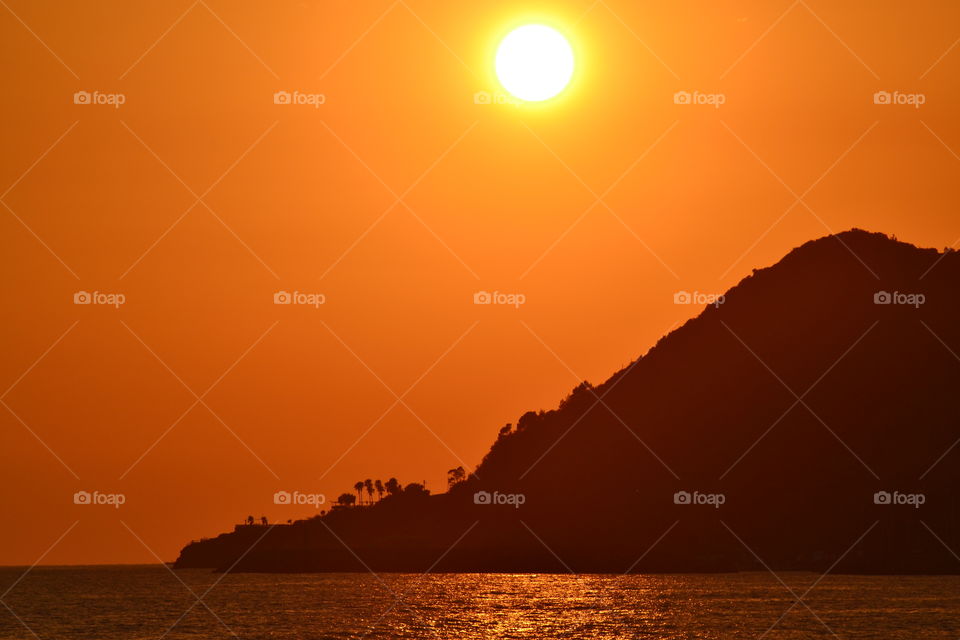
(358, 487)
(368, 484)
(346, 499)
(250, 520)
(415, 489)
(455, 477)
(393, 487)
(379, 487)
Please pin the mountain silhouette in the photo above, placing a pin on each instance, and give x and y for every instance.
(807, 422)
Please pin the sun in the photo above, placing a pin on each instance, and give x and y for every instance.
(534, 63)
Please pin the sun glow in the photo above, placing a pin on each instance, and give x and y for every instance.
(534, 63)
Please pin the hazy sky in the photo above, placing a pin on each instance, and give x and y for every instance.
(397, 199)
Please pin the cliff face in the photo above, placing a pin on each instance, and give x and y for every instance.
(814, 405)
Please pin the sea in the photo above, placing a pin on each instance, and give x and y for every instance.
(156, 602)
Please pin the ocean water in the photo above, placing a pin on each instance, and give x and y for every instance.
(101, 603)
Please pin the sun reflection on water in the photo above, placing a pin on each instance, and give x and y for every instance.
(110, 603)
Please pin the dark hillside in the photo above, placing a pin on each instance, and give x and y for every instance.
(794, 402)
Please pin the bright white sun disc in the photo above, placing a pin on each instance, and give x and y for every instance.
(534, 63)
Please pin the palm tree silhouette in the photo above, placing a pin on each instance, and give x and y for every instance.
(379, 487)
(368, 484)
(358, 487)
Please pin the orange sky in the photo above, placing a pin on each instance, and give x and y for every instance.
(296, 198)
